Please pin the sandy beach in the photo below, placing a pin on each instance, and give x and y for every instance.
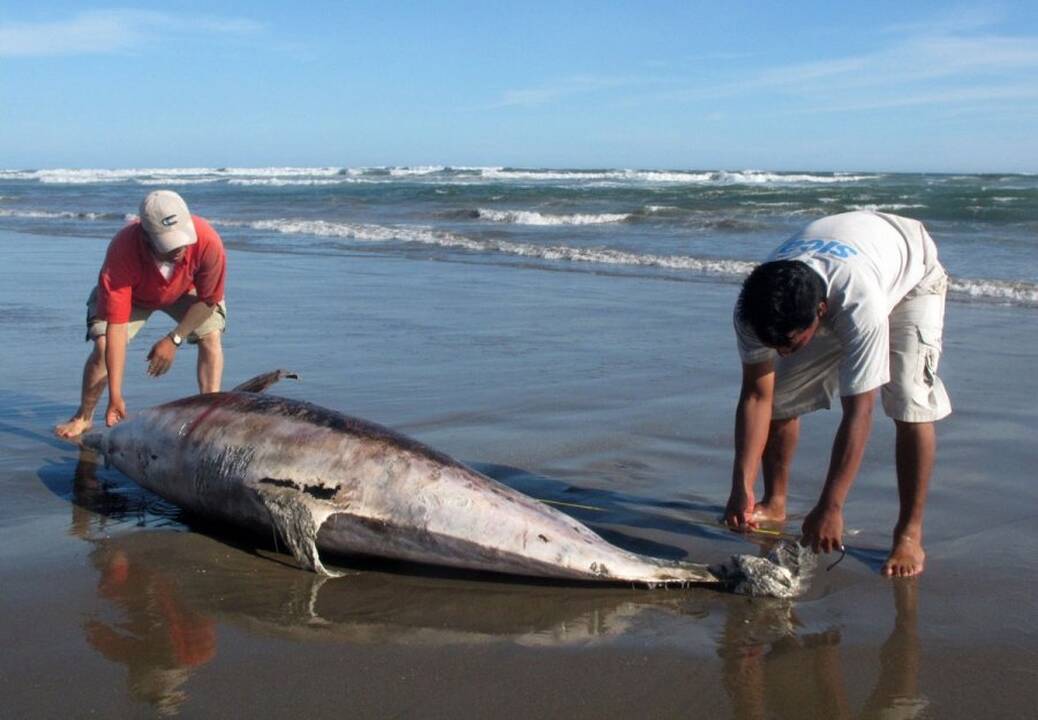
(594, 388)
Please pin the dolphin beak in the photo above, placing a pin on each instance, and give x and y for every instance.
(96, 440)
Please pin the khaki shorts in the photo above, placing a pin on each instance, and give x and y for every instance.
(809, 379)
(139, 316)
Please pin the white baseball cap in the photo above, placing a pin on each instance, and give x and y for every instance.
(167, 222)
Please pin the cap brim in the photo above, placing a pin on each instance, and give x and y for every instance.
(172, 240)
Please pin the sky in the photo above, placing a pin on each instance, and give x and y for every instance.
(894, 86)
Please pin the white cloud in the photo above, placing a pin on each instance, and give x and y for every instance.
(956, 60)
(107, 31)
(957, 19)
(956, 96)
(946, 63)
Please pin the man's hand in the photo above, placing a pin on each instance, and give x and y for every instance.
(116, 411)
(823, 529)
(160, 357)
(738, 514)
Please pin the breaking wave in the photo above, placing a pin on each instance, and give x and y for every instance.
(54, 215)
(288, 182)
(1016, 293)
(721, 177)
(530, 217)
(157, 176)
(886, 207)
(435, 173)
(439, 238)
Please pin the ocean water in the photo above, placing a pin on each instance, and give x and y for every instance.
(568, 333)
(676, 225)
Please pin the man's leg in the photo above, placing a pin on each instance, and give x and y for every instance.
(209, 369)
(783, 436)
(916, 449)
(95, 375)
(805, 381)
(915, 399)
(210, 362)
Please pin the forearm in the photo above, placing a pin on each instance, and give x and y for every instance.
(115, 357)
(194, 317)
(752, 420)
(847, 453)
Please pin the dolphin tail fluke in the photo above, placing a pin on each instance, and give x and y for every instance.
(261, 382)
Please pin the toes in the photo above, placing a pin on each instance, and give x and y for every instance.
(901, 569)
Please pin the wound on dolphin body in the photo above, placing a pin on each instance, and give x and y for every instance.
(297, 519)
(320, 491)
(279, 483)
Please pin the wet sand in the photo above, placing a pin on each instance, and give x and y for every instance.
(612, 393)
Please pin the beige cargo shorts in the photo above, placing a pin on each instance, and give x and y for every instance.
(139, 316)
(809, 380)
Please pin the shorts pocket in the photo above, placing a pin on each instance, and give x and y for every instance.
(929, 355)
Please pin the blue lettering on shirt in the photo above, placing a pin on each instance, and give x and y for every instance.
(799, 246)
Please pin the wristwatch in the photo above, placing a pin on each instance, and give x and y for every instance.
(177, 340)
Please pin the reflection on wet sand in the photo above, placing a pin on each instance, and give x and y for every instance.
(171, 590)
(159, 638)
(99, 505)
(771, 671)
(897, 694)
(417, 604)
(378, 607)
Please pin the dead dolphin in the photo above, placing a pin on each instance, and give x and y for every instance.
(347, 486)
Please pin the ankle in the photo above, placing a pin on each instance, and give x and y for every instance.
(775, 502)
(911, 533)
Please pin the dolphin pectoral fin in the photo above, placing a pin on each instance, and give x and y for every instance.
(261, 382)
(298, 522)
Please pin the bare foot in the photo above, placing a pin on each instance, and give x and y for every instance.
(73, 427)
(769, 511)
(906, 557)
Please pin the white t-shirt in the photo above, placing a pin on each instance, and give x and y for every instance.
(869, 262)
(165, 268)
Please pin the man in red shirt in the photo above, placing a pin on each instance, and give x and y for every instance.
(169, 260)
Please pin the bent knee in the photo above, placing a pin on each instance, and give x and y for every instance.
(210, 341)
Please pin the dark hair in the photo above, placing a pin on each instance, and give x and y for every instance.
(779, 298)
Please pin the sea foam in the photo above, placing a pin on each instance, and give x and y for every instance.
(61, 215)
(564, 253)
(1017, 293)
(530, 217)
(433, 173)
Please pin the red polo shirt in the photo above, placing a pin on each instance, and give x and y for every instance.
(130, 275)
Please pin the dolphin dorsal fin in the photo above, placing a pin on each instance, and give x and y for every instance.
(261, 382)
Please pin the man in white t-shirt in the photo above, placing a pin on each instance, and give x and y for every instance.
(851, 304)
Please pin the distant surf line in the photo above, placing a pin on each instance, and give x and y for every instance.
(1012, 292)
